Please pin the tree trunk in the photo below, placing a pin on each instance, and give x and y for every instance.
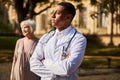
(111, 35)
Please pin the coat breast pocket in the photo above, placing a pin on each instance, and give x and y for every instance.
(65, 50)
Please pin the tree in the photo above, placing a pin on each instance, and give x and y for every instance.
(25, 8)
(79, 3)
(111, 6)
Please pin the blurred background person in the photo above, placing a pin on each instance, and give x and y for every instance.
(23, 51)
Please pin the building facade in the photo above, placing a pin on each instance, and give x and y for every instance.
(84, 21)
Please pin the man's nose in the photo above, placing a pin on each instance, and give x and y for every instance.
(53, 15)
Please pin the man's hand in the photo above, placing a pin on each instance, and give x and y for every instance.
(67, 56)
(42, 60)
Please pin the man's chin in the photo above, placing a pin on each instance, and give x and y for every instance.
(53, 24)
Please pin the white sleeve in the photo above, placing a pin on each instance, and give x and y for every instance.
(70, 65)
(35, 65)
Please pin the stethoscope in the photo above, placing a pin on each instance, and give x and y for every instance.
(51, 34)
(64, 50)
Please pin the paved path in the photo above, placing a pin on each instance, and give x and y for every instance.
(100, 74)
(103, 73)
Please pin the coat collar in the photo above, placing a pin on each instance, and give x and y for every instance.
(64, 32)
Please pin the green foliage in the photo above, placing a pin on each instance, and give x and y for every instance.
(94, 2)
(7, 42)
(79, 5)
(93, 41)
(108, 6)
(5, 27)
(7, 45)
(96, 48)
(28, 11)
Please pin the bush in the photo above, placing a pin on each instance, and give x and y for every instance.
(5, 27)
(96, 48)
(8, 42)
(93, 42)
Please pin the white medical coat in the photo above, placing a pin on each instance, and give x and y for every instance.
(51, 47)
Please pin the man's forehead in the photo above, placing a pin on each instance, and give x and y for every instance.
(59, 8)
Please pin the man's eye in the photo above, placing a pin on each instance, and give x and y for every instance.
(58, 13)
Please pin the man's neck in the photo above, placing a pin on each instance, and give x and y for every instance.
(62, 28)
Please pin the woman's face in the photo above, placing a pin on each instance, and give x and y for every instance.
(26, 31)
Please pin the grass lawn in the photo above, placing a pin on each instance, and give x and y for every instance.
(106, 51)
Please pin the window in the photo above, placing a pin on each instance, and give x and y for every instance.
(102, 20)
(83, 18)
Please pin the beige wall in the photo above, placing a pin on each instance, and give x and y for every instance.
(106, 40)
(91, 25)
(43, 25)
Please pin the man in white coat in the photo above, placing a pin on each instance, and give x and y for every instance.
(59, 53)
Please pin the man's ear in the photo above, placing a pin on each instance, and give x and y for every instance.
(69, 16)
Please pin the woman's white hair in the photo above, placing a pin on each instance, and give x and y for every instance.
(30, 23)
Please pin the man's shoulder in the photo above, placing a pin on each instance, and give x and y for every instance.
(80, 35)
(47, 36)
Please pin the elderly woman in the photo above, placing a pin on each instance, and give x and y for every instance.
(23, 51)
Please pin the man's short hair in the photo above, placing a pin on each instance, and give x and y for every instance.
(68, 7)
